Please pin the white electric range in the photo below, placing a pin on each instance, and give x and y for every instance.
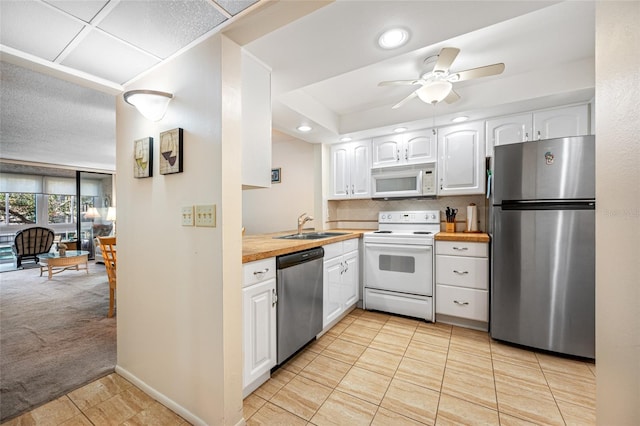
(398, 263)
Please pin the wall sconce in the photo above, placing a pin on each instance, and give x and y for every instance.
(150, 103)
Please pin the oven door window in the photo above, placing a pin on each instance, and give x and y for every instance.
(403, 268)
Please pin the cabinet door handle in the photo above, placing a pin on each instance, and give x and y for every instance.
(539, 135)
(346, 267)
(260, 274)
(406, 154)
(398, 156)
(526, 136)
(460, 272)
(461, 248)
(353, 189)
(346, 191)
(460, 303)
(274, 297)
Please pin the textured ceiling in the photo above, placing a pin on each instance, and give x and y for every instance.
(114, 40)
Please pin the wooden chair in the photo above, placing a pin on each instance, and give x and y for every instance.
(108, 248)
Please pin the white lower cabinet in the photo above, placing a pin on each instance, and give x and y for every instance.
(259, 322)
(462, 283)
(341, 278)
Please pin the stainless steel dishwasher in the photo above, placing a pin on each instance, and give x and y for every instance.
(299, 312)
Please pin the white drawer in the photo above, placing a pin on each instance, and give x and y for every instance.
(332, 250)
(455, 248)
(471, 272)
(350, 245)
(260, 270)
(462, 302)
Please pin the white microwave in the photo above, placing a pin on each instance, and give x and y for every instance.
(404, 182)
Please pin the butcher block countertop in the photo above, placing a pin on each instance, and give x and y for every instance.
(469, 237)
(262, 246)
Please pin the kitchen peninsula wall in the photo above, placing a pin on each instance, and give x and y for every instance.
(363, 214)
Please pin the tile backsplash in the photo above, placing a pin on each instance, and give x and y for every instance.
(363, 214)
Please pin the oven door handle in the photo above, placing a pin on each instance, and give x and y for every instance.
(405, 247)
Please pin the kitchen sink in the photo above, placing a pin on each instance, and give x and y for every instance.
(311, 235)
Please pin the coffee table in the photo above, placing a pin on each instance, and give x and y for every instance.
(71, 260)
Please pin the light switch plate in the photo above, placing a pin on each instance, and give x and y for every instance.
(206, 215)
(187, 216)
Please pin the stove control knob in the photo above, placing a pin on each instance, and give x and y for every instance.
(433, 216)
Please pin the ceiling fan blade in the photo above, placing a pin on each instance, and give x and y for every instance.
(485, 71)
(407, 99)
(399, 83)
(445, 58)
(452, 97)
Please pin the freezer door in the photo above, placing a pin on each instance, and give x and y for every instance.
(551, 169)
(543, 283)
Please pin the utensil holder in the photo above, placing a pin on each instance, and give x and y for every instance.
(450, 227)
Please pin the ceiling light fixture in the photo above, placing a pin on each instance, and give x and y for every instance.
(393, 38)
(399, 129)
(460, 119)
(304, 128)
(345, 139)
(152, 104)
(434, 92)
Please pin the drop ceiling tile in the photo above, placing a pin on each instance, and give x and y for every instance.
(106, 57)
(83, 9)
(235, 6)
(162, 27)
(35, 28)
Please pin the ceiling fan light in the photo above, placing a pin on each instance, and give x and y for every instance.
(393, 38)
(434, 92)
(152, 104)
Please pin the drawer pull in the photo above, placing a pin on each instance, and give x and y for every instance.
(460, 272)
(461, 248)
(460, 303)
(260, 274)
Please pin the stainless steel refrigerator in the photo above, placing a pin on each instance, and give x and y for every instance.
(543, 262)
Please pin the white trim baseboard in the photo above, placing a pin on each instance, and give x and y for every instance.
(163, 399)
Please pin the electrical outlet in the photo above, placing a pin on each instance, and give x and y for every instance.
(187, 216)
(206, 215)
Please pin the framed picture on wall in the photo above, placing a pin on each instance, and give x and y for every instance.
(143, 158)
(275, 175)
(171, 152)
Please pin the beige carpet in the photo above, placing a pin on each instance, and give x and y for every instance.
(54, 335)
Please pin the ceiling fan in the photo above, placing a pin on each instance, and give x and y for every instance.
(437, 85)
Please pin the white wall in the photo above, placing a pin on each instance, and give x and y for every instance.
(617, 213)
(277, 208)
(178, 298)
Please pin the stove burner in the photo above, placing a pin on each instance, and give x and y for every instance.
(381, 232)
(422, 232)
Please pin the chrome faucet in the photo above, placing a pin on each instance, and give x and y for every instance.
(302, 219)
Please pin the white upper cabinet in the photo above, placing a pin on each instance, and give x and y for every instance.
(507, 130)
(256, 123)
(561, 122)
(461, 159)
(545, 124)
(420, 147)
(417, 147)
(386, 150)
(351, 170)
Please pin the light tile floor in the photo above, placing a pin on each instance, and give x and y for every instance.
(379, 369)
(375, 369)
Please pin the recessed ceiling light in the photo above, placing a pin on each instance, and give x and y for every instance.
(460, 119)
(304, 128)
(345, 139)
(393, 38)
(399, 129)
